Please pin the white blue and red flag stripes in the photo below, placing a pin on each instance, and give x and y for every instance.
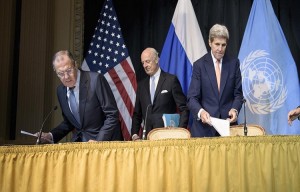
(184, 44)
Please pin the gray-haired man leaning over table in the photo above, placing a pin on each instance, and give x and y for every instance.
(88, 105)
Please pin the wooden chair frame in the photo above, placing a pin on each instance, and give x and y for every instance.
(168, 133)
(253, 130)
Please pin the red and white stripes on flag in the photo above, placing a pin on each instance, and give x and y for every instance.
(108, 55)
(122, 81)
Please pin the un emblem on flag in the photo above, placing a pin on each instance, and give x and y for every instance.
(262, 81)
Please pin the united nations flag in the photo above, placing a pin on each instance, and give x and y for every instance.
(269, 74)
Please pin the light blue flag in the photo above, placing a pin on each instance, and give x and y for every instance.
(270, 79)
(184, 44)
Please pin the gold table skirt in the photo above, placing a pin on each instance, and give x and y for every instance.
(262, 163)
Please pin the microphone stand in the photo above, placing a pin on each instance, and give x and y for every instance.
(38, 141)
(245, 123)
(145, 125)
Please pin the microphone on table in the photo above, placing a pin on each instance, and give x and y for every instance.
(38, 141)
(145, 125)
(245, 123)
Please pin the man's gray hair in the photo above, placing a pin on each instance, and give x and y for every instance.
(64, 52)
(218, 31)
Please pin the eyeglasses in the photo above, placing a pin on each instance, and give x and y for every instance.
(69, 72)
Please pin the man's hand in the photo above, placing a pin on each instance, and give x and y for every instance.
(135, 137)
(292, 115)
(205, 117)
(233, 114)
(46, 138)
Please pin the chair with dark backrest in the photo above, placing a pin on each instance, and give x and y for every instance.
(253, 130)
(168, 133)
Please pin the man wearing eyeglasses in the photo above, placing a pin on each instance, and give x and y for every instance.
(157, 94)
(88, 106)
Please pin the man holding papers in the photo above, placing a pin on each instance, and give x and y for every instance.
(88, 105)
(216, 86)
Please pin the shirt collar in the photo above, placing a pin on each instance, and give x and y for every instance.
(157, 74)
(214, 59)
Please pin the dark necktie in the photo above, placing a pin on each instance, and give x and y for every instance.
(73, 105)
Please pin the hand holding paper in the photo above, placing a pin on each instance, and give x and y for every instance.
(221, 125)
(45, 138)
(205, 117)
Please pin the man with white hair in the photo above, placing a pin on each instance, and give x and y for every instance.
(216, 86)
(157, 94)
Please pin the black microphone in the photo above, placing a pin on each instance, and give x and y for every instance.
(245, 123)
(38, 141)
(145, 125)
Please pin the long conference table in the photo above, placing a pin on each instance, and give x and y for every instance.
(261, 163)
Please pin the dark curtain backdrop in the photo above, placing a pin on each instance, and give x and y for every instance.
(145, 23)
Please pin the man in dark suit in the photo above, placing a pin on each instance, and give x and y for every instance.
(216, 86)
(87, 102)
(159, 93)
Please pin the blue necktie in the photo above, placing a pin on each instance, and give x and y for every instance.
(73, 105)
(152, 88)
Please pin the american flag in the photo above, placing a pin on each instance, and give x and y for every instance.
(108, 55)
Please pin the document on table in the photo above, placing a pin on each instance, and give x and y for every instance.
(34, 135)
(221, 125)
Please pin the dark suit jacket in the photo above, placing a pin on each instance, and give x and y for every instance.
(97, 108)
(168, 97)
(203, 92)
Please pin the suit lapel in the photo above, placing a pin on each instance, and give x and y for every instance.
(147, 88)
(83, 91)
(64, 103)
(224, 74)
(161, 81)
(210, 68)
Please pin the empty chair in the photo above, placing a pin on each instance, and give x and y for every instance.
(253, 130)
(168, 133)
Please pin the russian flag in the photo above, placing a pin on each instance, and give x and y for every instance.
(184, 44)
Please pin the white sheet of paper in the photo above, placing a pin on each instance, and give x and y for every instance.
(221, 125)
(27, 133)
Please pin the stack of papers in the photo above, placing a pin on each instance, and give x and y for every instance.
(222, 126)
